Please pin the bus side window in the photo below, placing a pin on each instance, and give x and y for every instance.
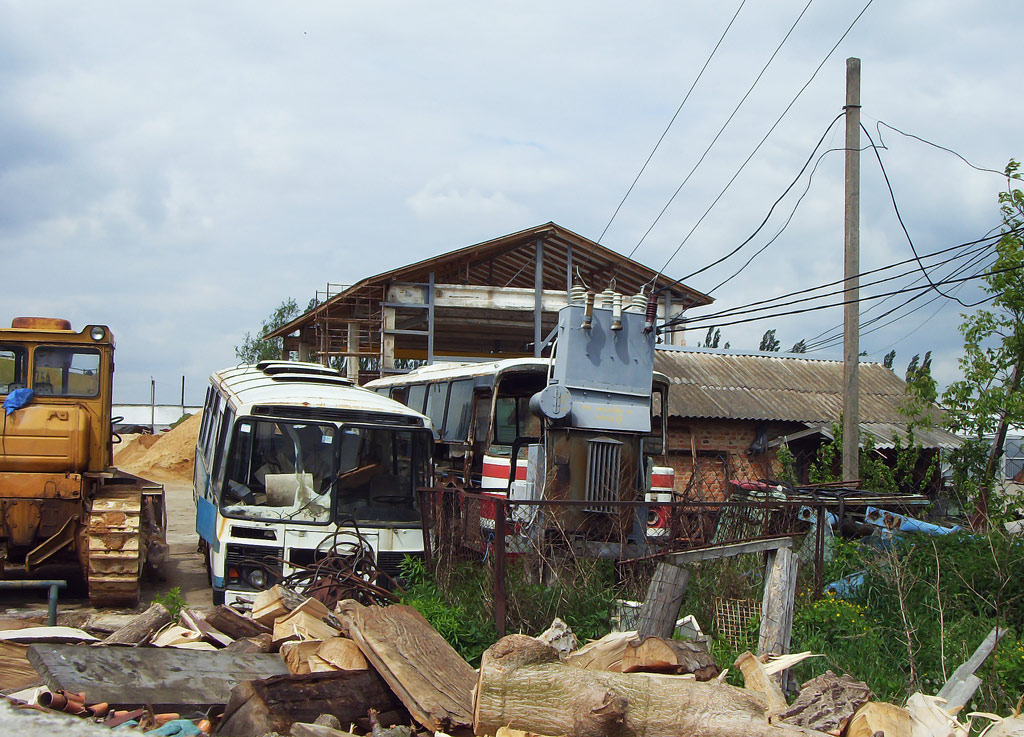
(400, 394)
(482, 428)
(417, 395)
(505, 426)
(211, 431)
(223, 436)
(437, 398)
(460, 409)
(204, 428)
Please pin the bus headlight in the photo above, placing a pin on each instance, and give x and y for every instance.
(257, 578)
(97, 333)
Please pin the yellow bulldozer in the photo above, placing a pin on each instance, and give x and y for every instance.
(61, 499)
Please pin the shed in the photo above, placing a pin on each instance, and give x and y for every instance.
(498, 298)
(730, 411)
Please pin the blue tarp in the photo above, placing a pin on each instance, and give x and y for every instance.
(18, 399)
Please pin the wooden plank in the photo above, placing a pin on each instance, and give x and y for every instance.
(778, 602)
(167, 679)
(664, 597)
(423, 670)
(961, 686)
(727, 551)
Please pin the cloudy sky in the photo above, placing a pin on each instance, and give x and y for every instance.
(176, 170)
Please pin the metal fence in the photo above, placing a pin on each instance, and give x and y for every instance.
(558, 541)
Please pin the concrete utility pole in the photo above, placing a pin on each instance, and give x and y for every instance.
(851, 250)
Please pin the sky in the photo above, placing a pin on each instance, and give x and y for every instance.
(177, 170)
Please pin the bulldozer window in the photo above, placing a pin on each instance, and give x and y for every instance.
(12, 368)
(66, 372)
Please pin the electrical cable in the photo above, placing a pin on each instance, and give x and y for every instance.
(774, 302)
(879, 123)
(724, 126)
(751, 156)
(899, 217)
(671, 328)
(837, 335)
(673, 120)
(960, 246)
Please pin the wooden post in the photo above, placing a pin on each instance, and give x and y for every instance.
(664, 597)
(387, 341)
(538, 296)
(777, 606)
(430, 318)
(352, 359)
(851, 268)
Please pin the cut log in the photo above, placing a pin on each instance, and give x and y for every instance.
(626, 652)
(319, 665)
(140, 629)
(661, 655)
(827, 702)
(343, 653)
(278, 601)
(260, 644)
(423, 670)
(878, 716)
(523, 685)
(233, 624)
(259, 707)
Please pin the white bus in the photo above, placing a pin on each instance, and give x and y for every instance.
(288, 455)
(531, 429)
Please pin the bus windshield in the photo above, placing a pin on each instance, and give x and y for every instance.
(314, 473)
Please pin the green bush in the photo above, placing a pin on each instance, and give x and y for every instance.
(926, 604)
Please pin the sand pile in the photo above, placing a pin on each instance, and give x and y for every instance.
(168, 456)
(132, 447)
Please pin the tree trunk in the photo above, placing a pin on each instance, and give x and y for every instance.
(140, 629)
(664, 597)
(979, 521)
(523, 685)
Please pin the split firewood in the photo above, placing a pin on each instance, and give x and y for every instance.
(277, 601)
(523, 685)
(296, 655)
(560, 637)
(343, 654)
(827, 702)
(141, 628)
(305, 622)
(757, 678)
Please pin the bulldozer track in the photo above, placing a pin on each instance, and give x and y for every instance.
(114, 546)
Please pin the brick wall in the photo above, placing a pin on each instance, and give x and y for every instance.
(722, 452)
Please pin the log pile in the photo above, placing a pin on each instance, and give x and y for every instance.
(291, 666)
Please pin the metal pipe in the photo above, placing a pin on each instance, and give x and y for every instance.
(52, 585)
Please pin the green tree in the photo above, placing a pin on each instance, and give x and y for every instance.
(988, 398)
(799, 347)
(254, 348)
(888, 360)
(713, 338)
(769, 342)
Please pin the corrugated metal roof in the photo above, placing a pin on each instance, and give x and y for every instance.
(773, 387)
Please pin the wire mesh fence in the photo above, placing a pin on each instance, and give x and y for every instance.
(528, 550)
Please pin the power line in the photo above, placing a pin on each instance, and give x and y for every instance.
(906, 232)
(724, 125)
(879, 123)
(789, 219)
(671, 328)
(673, 120)
(752, 154)
(769, 301)
(836, 330)
(732, 312)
